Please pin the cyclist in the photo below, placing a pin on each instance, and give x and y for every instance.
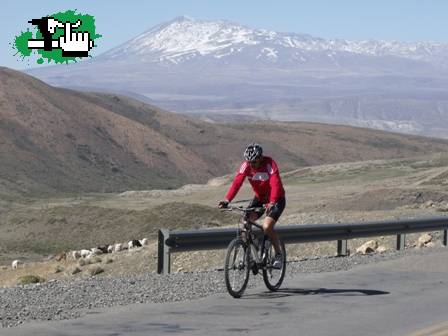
(263, 175)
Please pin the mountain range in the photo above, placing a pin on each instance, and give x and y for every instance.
(55, 140)
(223, 70)
(184, 39)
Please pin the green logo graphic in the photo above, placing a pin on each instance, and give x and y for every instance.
(60, 37)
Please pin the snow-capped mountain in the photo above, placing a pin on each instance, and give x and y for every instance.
(185, 38)
(223, 69)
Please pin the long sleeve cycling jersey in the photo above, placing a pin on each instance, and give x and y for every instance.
(265, 181)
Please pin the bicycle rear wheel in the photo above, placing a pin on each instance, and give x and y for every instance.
(273, 277)
(236, 269)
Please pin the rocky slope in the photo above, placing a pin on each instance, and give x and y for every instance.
(58, 140)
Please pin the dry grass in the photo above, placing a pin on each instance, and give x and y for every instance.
(144, 260)
(61, 227)
(52, 225)
(126, 262)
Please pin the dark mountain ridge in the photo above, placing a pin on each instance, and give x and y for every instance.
(65, 141)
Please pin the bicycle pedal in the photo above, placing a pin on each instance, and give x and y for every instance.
(254, 270)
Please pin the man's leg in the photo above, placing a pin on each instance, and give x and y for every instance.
(273, 214)
(268, 228)
(255, 215)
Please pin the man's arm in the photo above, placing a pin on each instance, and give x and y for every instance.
(237, 181)
(275, 183)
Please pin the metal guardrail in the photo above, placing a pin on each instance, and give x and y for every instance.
(210, 239)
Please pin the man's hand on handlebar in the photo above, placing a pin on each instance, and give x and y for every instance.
(223, 204)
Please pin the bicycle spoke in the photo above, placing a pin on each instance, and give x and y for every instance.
(273, 277)
(236, 268)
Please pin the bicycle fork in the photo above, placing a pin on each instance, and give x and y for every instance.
(259, 256)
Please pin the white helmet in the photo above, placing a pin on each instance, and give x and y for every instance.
(253, 152)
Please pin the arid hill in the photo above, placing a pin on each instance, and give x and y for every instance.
(58, 140)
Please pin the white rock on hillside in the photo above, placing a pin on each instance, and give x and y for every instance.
(424, 239)
(430, 244)
(368, 247)
(381, 249)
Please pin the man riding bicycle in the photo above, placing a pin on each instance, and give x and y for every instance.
(264, 177)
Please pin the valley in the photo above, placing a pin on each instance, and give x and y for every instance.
(324, 194)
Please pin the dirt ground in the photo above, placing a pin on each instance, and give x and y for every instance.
(33, 229)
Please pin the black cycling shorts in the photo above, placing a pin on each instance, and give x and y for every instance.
(274, 211)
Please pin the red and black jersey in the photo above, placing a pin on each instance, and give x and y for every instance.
(265, 181)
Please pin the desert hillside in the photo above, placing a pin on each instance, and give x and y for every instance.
(58, 140)
(343, 192)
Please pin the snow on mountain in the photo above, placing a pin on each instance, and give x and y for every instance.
(185, 38)
(226, 69)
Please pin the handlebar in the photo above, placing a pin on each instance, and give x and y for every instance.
(245, 211)
(242, 209)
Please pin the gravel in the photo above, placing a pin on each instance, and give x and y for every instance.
(58, 300)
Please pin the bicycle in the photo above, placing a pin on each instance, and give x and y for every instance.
(246, 252)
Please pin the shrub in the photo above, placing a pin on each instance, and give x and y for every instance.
(95, 270)
(96, 260)
(74, 270)
(29, 279)
(83, 262)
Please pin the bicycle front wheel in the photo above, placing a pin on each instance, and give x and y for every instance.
(236, 269)
(273, 277)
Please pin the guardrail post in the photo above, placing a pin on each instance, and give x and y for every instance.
(163, 252)
(445, 237)
(342, 248)
(401, 238)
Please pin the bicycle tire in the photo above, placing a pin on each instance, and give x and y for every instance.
(274, 285)
(240, 269)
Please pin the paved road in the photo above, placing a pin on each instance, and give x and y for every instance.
(408, 296)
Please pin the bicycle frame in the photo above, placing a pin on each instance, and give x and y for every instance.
(255, 257)
(247, 235)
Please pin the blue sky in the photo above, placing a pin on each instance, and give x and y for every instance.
(118, 21)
